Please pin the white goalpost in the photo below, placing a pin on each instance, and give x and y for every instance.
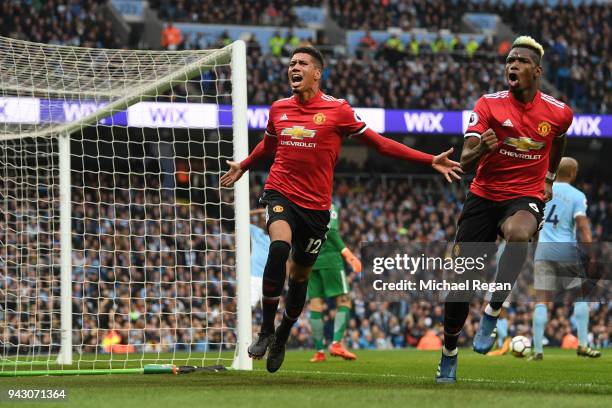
(118, 247)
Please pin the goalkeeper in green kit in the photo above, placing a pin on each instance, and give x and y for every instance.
(328, 280)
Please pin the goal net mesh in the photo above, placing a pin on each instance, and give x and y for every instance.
(153, 260)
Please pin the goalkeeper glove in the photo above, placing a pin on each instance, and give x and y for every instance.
(351, 259)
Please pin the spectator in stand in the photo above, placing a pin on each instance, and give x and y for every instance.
(503, 48)
(413, 45)
(224, 40)
(290, 43)
(471, 47)
(277, 42)
(452, 44)
(367, 46)
(393, 50)
(171, 37)
(253, 47)
(438, 45)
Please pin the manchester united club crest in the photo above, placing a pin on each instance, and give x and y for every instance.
(544, 129)
(318, 118)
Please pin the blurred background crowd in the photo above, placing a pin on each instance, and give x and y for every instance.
(441, 71)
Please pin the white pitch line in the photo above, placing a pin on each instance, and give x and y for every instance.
(461, 379)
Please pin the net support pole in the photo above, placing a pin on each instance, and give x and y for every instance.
(65, 354)
(243, 259)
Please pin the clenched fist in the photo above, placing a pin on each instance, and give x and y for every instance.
(488, 141)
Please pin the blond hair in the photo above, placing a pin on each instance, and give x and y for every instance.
(529, 42)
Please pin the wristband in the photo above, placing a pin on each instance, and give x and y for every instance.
(550, 176)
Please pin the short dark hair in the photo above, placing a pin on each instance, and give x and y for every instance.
(313, 52)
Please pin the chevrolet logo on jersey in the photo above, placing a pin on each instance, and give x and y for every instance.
(298, 132)
(523, 143)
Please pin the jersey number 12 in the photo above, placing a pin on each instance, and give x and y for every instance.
(313, 246)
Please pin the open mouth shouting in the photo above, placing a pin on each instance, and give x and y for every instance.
(513, 80)
(296, 80)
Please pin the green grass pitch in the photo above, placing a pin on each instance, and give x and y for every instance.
(377, 378)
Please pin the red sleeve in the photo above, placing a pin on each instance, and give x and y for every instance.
(391, 148)
(566, 122)
(479, 119)
(349, 123)
(265, 148)
(270, 129)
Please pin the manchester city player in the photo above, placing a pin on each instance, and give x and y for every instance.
(557, 261)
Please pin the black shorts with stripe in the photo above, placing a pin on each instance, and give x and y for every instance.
(308, 227)
(481, 219)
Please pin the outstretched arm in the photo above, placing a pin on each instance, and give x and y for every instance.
(391, 148)
(265, 148)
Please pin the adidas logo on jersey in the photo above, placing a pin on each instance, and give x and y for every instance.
(507, 123)
(284, 117)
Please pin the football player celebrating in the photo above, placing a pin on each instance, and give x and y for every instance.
(516, 139)
(304, 133)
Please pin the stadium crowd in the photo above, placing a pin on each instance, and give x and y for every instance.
(578, 47)
(153, 272)
(405, 14)
(258, 12)
(578, 65)
(420, 75)
(414, 209)
(60, 22)
(148, 271)
(437, 75)
(435, 81)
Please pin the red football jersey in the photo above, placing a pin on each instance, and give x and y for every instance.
(309, 139)
(517, 168)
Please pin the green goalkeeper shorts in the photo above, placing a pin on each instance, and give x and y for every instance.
(327, 283)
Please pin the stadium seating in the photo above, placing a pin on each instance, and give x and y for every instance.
(435, 15)
(570, 64)
(381, 208)
(434, 80)
(261, 12)
(372, 208)
(427, 82)
(57, 22)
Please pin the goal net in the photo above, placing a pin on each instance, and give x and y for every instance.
(118, 247)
